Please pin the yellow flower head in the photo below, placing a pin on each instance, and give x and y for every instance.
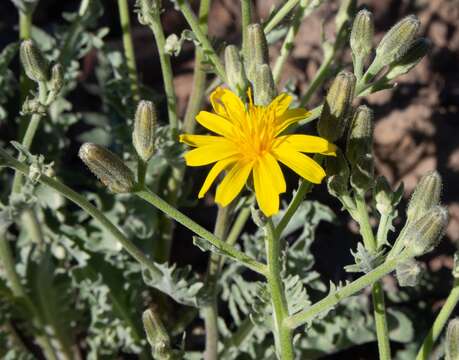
(249, 142)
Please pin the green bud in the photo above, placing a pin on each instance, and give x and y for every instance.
(338, 173)
(385, 199)
(338, 102)
(264, 89)
(108, 168)
(237, 79)
(362, 174)
(424, 234)
(360, 136)
(426, 195)
(157, 336)
(143, 136)
(57, 78)
(397, 40)
(408, 273)
(417, 50)
(35, 65)
(452, 340)
(361, 39)
(256, 51)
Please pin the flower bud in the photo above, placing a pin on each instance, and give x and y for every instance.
(143, 136)
(417, 50)
(408, 273)
(57, 78)
(338, 173)
(360, 136)
(362, 173)
(424, 234)
(332, 121)
(386, 200)
(35, 65)
(157, 336)
(452, 340)
(108, 168)
(264, 89)
(256, 51)
(361, 39)
(426, 195)
(235, 70)
(397, 40)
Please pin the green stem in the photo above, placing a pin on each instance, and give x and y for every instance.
(141, 171)
(282, 334)
(280, 15)
(332, 299)
(385, 223)
(246, 15)
(209, 51)
(9, 267)
(25, 84)
(364, 222)
(398, 244)
(181, 218)
(440, 322)
(318, 79)
(166, 68)
(213, 269)
(128, 45)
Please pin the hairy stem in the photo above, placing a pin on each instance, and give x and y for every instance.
(282, 334)
(128, 45)
(440, 322)
(246, 15)
(280, 15)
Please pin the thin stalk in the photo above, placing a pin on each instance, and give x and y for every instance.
(385, 223)
(211, 311)
(181, 218)
(364, 222)
(398, 244)
(84, 204)
(190, 17)
(440, 322)
(246, 15)
(128, 45)
(141, 171)
(332, 299)
(282, 334)
(289, 41)
(166, 68)
(280, 15)
(318, 79)
(25, 84)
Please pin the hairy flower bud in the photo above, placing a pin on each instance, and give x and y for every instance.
(386, 200)
(157, 335)
(397, 40)
(237, 79)
(264, 89)
(425, 233)
(426, 195)
(57, 78)
(338, 102)
(360, 136)
(256, 50)
(143, 136)
(35, 65)
(362, 174)
(361, 39)
(416, 51)
(108, 168)
(408, 273)
(452, 340)
(338, 173)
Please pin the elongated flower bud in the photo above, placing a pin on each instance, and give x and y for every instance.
(256, 51)
(397, 40)
(143, 136)
(332, 121)
(360, 136)
(235, 71)
(417, 50)
(361, 39)
(157, 336)
(108, 168)
(35, 65)
(424, 234)
(264, 88)
(426, 195)
(452, 340)
(57, 77)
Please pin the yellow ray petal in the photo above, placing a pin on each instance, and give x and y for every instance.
(234, 106)
(303, 165)
(290, 117)
(215, 100)
(281, 103)
(213, 173)
(208, 154)
(233, 182)
(308, 144)
(215, 123)
(267, 184)
(269, 163)
(200, 140)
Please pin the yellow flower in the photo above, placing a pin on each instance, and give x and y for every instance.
(249, 142)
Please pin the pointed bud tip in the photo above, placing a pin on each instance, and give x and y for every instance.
(143, 135)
